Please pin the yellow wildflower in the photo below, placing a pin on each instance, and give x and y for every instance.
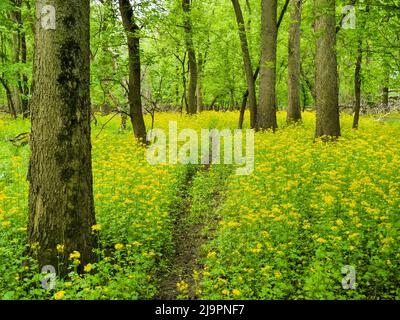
(119, 246)
(339, 222)
(88, 267)
(236, 292)
(74, 255)
(59, 295)
(96, 227)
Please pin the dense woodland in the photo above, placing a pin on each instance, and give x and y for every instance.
(190, 54)
(83, 82)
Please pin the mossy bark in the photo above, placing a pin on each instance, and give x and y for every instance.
(61, 207)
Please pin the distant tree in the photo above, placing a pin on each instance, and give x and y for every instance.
(192, 103)
(247, 64)
(294, 109)
(266, 113)
(326, 76)
(134, 85)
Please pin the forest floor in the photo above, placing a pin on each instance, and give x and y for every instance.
(194, 232)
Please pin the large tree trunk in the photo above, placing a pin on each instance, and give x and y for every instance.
(266, 114)
(134, 96)
(247, 64)
(294, 109)
(61, 208)
(357, 86)
(191, 56)
(326, 78)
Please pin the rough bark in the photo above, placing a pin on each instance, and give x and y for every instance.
(266, 114)
(326, 78)
(247, 64)
(294, 108)
(134, 85)
(61, 208)
(191, 58)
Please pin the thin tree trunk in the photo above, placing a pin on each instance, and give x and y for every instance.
(308, 82)
(267, 109)
(61, 207)
(199, 93)
(256, 73)
(10, 101)
(294, 109)
(134, 96)
(177, 97)
(25, 87)
(244, 99)
(247, 64)
(385, 92)
(357, 86)
(212, 104)
(17, 90)
(191, 57)
(326, 79)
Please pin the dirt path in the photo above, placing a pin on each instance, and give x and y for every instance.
(188, 241)
(189, 238)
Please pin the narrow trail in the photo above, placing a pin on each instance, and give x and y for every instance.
(189, 237)
(188, 241)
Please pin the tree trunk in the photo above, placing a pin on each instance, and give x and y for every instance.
(25, 87)
(191, 57)
(256, 73)
(357, 86)
(199, 92)
(326, 78)
(61, 208)
(212, 104)
(385, 92)
(134, 96)
(16, 90)
(247, 64)
(294, 109)
(10, 101)
(267, 110)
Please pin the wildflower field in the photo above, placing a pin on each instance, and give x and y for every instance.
(284, 232)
